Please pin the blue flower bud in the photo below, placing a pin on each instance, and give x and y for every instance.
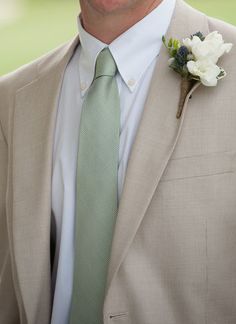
(181, 56)
(183, 51)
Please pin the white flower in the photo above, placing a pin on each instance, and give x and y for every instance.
(212, 48)
(206, 70)
(190, 43)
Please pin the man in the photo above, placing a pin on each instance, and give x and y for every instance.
(167, 253)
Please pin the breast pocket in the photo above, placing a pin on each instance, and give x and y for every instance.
(200, 166)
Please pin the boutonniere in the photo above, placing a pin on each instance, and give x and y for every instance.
(195, 59)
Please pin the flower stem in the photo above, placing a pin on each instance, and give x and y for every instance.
(186, 86)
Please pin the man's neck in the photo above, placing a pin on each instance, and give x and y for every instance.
(108, 26)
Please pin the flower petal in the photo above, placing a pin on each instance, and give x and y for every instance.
(227, 47)
(206, 70)
(189, 43)
(215, 36)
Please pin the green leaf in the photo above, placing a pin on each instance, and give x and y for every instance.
(170, 42)
(176, 44)
(173, 52)
(198, 34)
(221, 75)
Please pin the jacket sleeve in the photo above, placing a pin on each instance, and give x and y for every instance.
(8, 304)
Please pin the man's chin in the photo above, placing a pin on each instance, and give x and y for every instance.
(110, 6)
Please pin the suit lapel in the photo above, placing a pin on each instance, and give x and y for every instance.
(155, 141)
(30, 194)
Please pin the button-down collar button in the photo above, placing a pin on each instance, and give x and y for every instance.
(83, 86)
(131, 82)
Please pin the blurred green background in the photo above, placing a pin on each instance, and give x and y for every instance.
(30, 28)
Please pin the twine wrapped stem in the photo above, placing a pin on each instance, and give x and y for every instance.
(186, 86)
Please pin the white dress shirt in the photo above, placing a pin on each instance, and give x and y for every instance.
(135, 53)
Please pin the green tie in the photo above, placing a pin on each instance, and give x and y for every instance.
(96, 192)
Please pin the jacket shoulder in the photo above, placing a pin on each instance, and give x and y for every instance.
(227, 30)
(20, 78)
(28, 72)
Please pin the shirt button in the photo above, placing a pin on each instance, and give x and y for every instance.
(131, 82)
(83, 86)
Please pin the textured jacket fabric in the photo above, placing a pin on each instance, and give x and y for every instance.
(173, 254)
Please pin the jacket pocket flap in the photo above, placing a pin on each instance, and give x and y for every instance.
(200, 165)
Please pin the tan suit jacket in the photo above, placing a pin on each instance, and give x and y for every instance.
(173, 257)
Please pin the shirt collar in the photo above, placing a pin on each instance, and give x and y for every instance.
(144, 38)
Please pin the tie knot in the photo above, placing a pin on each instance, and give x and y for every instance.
(105, 64)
